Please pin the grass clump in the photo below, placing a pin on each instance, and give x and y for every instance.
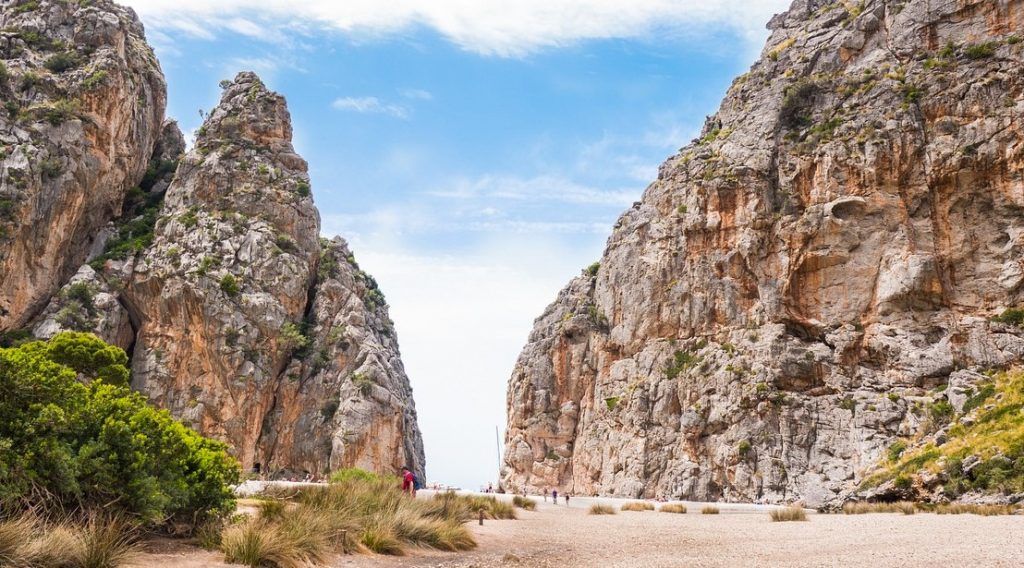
(597, 509)
(862, 508)
(972, 509)
(357, 512)
(785, 514)
(980, 50)
(524, 503)
(93, 542)
(678, 508)
(258, 543)
(638, 506)
(709, 510)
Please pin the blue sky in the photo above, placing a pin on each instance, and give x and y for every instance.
(475, 162)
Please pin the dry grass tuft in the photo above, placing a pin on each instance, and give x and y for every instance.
(524, 503)
(791, 513)
(97, 542)
(969, 509)
(709, 510)
(673, 508)
(908, 508)
(362, 512)
(860, 508)
(638, 506)
(597, 509)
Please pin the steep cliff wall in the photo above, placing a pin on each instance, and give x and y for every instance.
(252, 329)
(206, 266)
(83, 102)
(796, 287)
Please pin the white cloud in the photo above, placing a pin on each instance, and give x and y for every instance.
(370, 105)
(490, 27)
(539, 188)
(417, 94)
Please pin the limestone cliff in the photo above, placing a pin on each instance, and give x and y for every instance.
(207, 266)
(83, 99)
(254, 330)
(798, 285)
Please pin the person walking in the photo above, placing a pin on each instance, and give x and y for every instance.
(408, 482)
(566, 499)
(554, 496)
(545, 494)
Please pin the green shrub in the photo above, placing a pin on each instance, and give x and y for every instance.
(941, 411)
(681, 360)
(744, 447)
(593, 269)
(60, 112)
(980, 50)
(797, 102)
(293, 337)
(27, 6)
(61, 62)
(50, 168)
(29, 80)
(896, 450)
(611, 402)
(353, 474)
(134, 228)
(94, 80)
(229, 285)
(302, 188)
(363, 383)
(912, 93)
(60, 437)
(189, 218)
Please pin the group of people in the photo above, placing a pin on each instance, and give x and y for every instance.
(554, 496)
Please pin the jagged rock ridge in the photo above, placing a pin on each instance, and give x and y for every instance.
(797, 286)
(207, 266)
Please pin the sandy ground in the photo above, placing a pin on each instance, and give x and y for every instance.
(740, 536)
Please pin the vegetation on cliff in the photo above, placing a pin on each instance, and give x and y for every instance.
(983, 450)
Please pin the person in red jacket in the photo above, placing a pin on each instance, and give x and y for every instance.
(408, 482)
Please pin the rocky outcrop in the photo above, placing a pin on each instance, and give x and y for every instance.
(207, 267)
(83, 101)
(797, 286)
(253, 330)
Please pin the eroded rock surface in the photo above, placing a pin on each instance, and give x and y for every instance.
(83, 98)
(252, 329)
(790, 292)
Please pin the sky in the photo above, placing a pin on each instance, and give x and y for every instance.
(474, 153)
